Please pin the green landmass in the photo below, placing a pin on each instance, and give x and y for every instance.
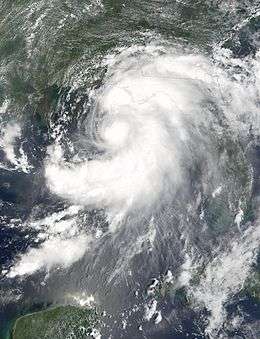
(62, 322)
(43, 50)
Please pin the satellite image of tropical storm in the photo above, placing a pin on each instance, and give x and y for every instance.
(129, 169)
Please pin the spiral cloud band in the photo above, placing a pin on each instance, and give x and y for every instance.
(147, 123)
